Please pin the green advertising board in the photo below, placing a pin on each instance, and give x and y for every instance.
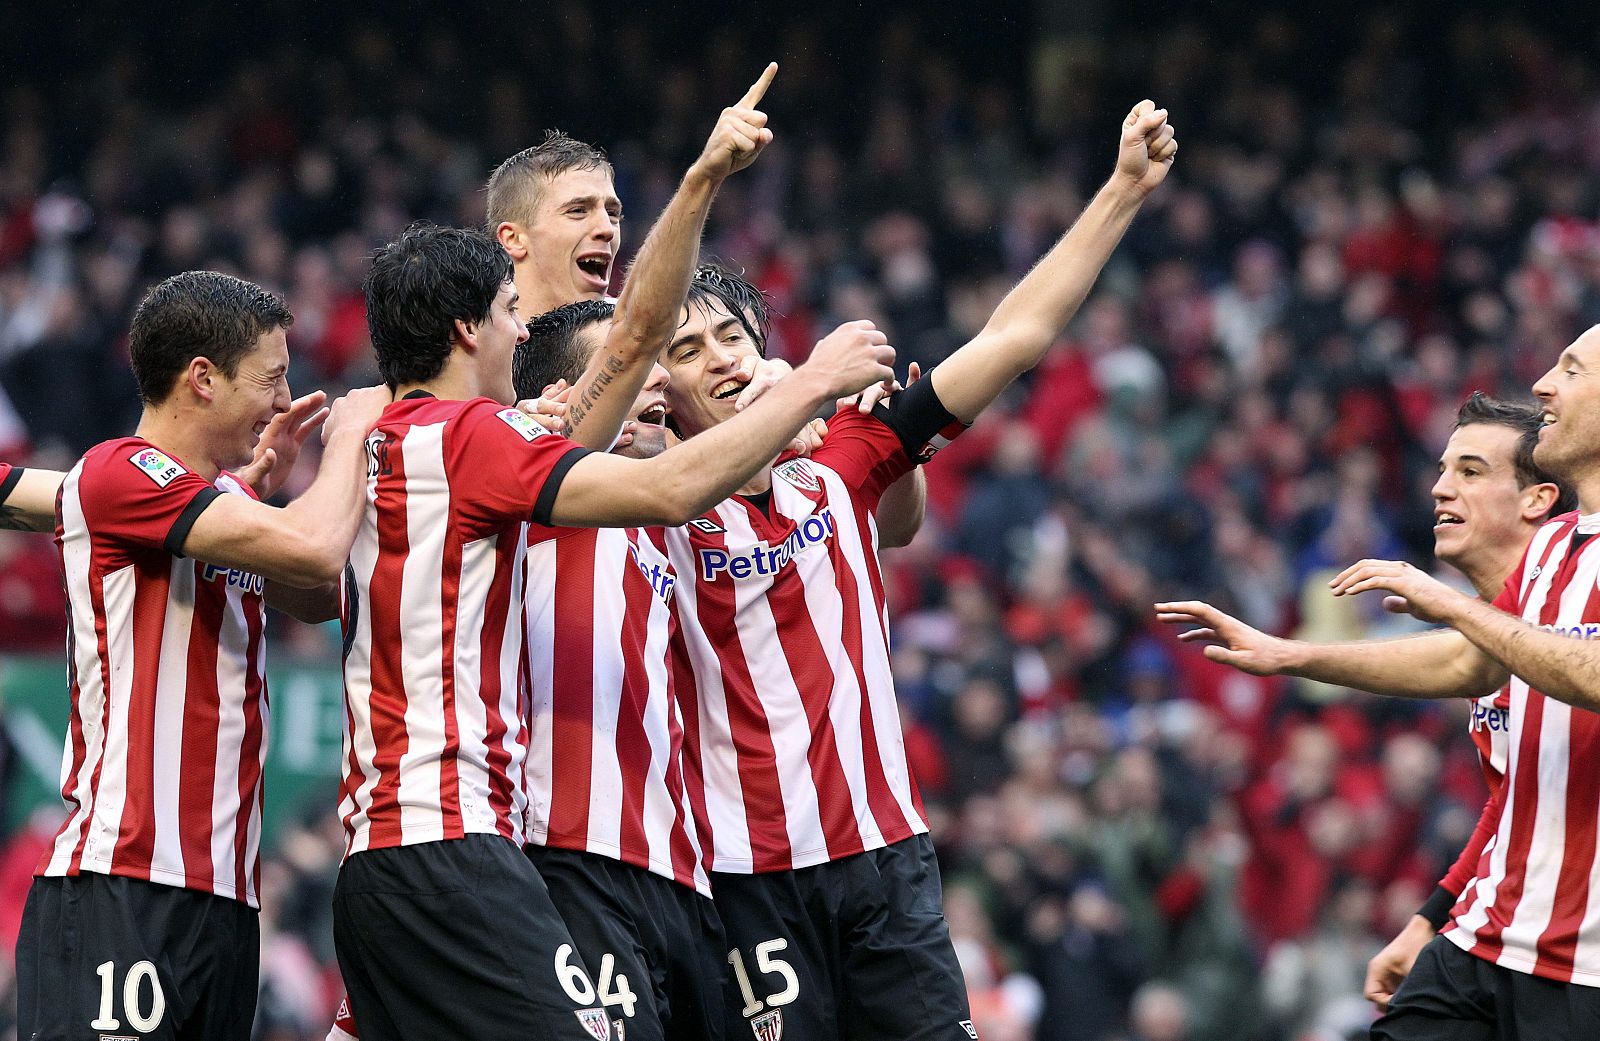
(307, 717)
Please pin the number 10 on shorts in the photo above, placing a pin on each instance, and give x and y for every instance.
(769, 965)
(140, 1018)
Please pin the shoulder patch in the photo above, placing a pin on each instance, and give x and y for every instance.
(519, 421)
(157, 465)
(798, 473)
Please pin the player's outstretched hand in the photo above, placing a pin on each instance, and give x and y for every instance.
(1413, 592)
(1148, 146)
(851, 358)
(1227, 639)
(358, 410)
(279, 445)
(740, 134)
(1390, 966)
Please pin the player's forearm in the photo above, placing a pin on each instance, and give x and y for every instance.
(647, 313)
(316, 604)
(30, 505)
(709, 467)
(901, 510)
(1033, 314)
(1431, 665)
(1562, 667)
(327, 516)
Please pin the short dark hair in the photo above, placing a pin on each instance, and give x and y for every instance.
(1526, 421)
(514, 187)
(553, 350)
(419, 285)
(198, 314)
(741, 299)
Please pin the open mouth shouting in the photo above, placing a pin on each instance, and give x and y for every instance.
(594, 268)
(654, 413)
(1446, 519)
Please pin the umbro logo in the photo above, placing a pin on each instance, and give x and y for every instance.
(708, 526)
(1538, 569)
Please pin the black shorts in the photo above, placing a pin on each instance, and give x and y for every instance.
(855, 948)
(459, 939)
(102, 957)
(1450, 995)
(655, 947)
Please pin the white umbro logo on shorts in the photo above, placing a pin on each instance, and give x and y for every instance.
(972, 1031)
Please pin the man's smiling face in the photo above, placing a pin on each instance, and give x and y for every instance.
(701, 360)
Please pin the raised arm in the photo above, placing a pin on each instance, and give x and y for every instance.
(1033, 314)
(28, 499)
(305, 543)
(1438, 664)
(604, 490)
(648, 310)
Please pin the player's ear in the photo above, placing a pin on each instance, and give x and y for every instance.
(465, 333)
(201, 377)
(512, 240)
(1538, 500)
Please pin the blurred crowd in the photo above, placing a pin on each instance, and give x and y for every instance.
(1362, 228)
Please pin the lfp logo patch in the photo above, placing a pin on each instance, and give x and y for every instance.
(157, 466)
(521, 423)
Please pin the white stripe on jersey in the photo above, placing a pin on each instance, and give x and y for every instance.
(427, 508)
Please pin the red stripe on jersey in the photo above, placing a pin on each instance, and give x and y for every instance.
(572, 683)
(136, 840)
(202, 713)
(808, 663)
(688, 699)
(1559, 942)
(750, 733)
(390, 736)
(634, 753)
(502, 796)
(880, 799)
(252, 796)
(449, 602)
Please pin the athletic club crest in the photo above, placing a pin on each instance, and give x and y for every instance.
(768, 1026)
(798, 473)
(596, 1022)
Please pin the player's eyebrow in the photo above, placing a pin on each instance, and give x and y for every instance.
(680, 343)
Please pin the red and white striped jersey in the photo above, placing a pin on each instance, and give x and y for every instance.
(1534, 905)
(168, 731)
(1489, 727)
(605, 758)
(435, 727)
(783, 661)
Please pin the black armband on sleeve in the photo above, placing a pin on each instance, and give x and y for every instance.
(919, 419)
(9, 483)
(179, 533)
(1437, 907)
(546, 503)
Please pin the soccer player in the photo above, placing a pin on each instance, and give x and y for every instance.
(1520, 956)
(823, 873)
(434, 886)
(610, 824)
(142, 916)
(1490, 499)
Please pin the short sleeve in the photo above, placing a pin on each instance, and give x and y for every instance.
(864, 451)
(504, 466)
(138, 494)
(9, 476)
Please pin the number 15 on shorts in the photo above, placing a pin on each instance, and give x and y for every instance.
(767, 964)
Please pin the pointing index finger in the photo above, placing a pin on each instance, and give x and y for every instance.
(758, 89)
